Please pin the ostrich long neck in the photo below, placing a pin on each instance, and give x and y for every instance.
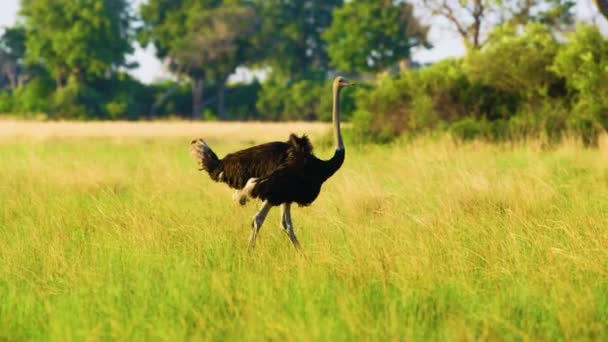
(332, 165)
(336, 120)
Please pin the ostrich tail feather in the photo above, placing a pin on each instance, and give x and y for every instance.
(206, 159)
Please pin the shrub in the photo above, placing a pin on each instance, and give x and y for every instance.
(272, 99)
(76, 101)
(6, 102)
(467, 129)
(241, 101)
(427, 99)
(522, 84)
(33, 97)
(116, 109)
(516, 62)
(65, 104)
(382, 112)
(583, 62)
(308, 99)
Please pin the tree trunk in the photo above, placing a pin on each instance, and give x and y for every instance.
(10, 70)
(221, 96)
(78, 76)
(478, 13)
(404, 64)
(22, 79)
(197, 98)
(58, 78)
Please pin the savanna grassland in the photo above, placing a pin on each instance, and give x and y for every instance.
(114, 234)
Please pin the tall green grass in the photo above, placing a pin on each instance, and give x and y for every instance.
(124, 239)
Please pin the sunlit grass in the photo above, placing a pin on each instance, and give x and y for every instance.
(235, 132)
(113, 238)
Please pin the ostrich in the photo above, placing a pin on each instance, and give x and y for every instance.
(278, 173)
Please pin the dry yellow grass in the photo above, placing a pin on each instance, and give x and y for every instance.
(123, 239)
(234, 131)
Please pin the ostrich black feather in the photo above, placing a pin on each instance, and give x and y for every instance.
(285, 172)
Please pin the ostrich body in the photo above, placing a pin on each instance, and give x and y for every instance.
(278, 173)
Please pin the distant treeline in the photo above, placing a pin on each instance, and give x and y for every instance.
(528, 70)
(68, 59)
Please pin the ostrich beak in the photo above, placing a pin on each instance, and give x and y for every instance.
(348, 84)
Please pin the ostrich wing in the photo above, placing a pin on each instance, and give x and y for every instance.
(254, 162)
(263, 160)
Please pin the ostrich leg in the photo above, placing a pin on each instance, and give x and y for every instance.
(287, 225)
(258, 220)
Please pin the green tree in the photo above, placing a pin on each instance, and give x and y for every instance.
(217, 42)
(583, 62)
(200, 40)
(371, 35)
(290, 36)
(12, 42)
(77, 39)
(12, 51)
(29, 87)
(516, 62)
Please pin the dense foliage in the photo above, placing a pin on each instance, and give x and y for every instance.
(371, 35)
(523, 74)
(522, 84)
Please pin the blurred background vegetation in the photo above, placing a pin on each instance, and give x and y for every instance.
(530, 70)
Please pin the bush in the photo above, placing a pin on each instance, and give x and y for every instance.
(586, 122)
(241, 101)
(116, 109)
(522, 84)
(583, 62)
(384, 112)
(66, 104)
(516, 62)
(33, 97)
(272, 99)
(308, 99)
(367, 129)
(428, 99)
(468, 129)
(6, 102)
(119, 97)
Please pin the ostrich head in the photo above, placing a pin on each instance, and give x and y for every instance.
(341, 82)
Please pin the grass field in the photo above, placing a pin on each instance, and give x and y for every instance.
(118, 236)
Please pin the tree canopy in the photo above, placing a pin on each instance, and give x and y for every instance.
(12, 52)
(370, 35)
(199, 39)
(77, 38)
(290, 36)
